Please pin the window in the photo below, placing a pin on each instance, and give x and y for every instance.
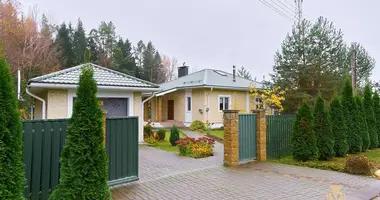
(188, 103)
(224, 103)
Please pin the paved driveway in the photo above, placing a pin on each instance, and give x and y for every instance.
(164, 175)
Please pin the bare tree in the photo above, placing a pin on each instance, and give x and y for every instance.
(169, 66)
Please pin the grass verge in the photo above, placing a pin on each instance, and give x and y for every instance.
(165, 144)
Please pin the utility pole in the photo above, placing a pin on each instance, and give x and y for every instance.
(353, 66)
(298, 10)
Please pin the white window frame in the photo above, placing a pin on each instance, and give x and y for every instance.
(187, 104)
(229, 101)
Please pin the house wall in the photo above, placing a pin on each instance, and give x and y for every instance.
(198, 102)
(56, 104)
(179, 105)
(38, 105)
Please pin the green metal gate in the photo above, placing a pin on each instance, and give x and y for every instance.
(247, 137)
(279, 133)
(44, 141)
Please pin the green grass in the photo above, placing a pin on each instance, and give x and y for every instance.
(217, 133)
(336, 164)
(165, 144)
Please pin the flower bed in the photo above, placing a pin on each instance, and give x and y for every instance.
(196, 148)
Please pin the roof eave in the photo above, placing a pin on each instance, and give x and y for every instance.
(106, 87)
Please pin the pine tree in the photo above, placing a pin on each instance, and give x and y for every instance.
(12, 177)
(123, 60)
(79, 43)
(361, 123)
(64, 47)
(369, 116)
(84, 172)
(322, 128)
(244, 73)
(349, 109)
(338, 127)
(376, 109)
(304, 142)
(148, 62)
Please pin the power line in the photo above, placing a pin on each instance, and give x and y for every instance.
(292, 8)
(283, 9)
(277, 10)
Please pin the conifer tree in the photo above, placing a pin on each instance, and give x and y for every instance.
(322, 128)
(84, 167)
(12, 175)
(304, 142)
(376, 109)
(338, 127)
(369, 116)
(349, 108)
(361, 123)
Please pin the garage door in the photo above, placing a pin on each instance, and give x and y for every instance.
(115, 106)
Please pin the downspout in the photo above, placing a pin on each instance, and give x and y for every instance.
(141, 136)
(40, 99)
(208, 102)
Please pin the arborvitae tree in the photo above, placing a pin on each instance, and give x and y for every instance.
(304, 141)
(84, 172)
(12, 177)
(338, 127)
(361, 123)
(369, 115)
(349, 106)
(376, 109)
(322, 128)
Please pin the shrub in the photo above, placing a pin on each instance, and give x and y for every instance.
(150, 140)
(161, 134)
(322, 128)
(349, 108)
(148, 131)
(304, 142)
(12, 175)
(197, 126)
(84, 167)
(196, 148)
(376, 109)
(361, 123)
(338, 127)
(359, 165)
(174, 135)
(369, 116)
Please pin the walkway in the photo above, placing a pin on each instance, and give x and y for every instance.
(164, 175)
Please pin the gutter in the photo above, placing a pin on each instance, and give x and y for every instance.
(40, 99)
(71, 86)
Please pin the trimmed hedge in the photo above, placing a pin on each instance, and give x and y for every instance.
(322, 128)
(338, 127)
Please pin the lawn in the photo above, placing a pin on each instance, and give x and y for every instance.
(336, 164)
(165, 144)
(217, 133)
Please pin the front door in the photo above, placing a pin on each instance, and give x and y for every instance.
(189, 107)
(170, 109)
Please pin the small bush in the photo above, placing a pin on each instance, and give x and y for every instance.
(196, 148)
(150, 140)
(147, 131)
(161, 134)
(174, 135)
(359, 165)
(197, 126)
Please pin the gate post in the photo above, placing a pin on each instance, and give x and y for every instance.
(261, 135)
(231, 137)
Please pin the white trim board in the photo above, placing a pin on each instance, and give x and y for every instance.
(71, 93)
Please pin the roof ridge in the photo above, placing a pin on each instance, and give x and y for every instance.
(53, 74)
(184, 76)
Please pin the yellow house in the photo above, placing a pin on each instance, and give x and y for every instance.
(202, 96)
(121, 95)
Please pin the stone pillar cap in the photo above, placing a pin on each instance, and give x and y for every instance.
(231, 111)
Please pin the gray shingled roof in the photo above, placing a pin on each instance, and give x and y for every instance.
(210, 78)
(102, 75)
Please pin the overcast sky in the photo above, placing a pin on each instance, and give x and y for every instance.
(217, 33)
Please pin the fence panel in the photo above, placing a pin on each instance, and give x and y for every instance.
(122, 149)
(44, 141)
(279, 133)
(247, 137)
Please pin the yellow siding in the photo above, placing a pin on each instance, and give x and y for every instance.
(179, 105)
(238, 102)
(38, 105)
(198, 101)
(57, 104)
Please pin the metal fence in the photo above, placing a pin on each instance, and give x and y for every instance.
(44, 141)
(279, 133)
(247, 137)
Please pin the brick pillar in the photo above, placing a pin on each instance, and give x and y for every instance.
(231, 137)
(261, 135)
(159, 113)
(104, 126)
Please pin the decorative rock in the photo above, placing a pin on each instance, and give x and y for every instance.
(377, 174)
